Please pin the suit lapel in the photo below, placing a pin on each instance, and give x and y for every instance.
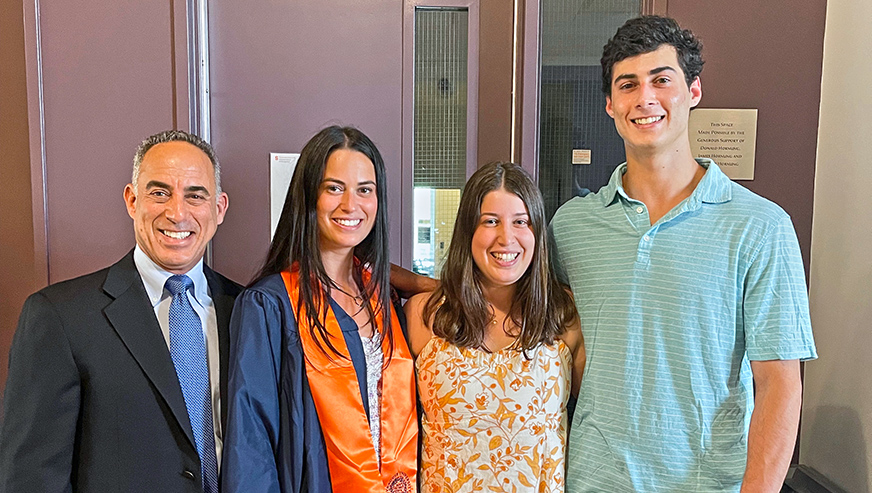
(223, 302)
(132, 317)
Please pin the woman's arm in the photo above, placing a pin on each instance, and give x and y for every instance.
(419, 331)
(574, 340)
(407, 284)
(251, 437)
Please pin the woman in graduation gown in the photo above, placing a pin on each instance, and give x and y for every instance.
(321, 383)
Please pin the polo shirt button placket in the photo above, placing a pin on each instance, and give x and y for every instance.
(643, 253)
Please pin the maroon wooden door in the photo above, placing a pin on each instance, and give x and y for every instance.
(280, 71)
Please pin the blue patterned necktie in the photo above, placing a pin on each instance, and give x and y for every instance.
(188, 350)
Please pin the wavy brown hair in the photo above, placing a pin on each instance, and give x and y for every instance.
(541, 307)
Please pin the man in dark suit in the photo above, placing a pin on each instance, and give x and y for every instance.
(117, 378)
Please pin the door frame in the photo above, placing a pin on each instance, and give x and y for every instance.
(407, 194)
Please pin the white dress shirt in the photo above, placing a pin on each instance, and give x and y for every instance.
(154, 278)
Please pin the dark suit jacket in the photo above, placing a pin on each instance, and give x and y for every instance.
(93, 403)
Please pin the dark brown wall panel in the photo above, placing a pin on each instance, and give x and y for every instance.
(495, 81)
(16, 217)
(280, 72)
(107, 82)
(767, 55)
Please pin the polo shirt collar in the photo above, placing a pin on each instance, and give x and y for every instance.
(714, 188)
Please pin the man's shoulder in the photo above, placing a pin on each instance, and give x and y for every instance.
(72, 301)
(77, 289)
(222, 282)
(754, 206)
(569, 214)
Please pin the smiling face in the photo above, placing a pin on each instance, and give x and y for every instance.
(650, 101)
(174, 205)
(347, 201)
(503, 242)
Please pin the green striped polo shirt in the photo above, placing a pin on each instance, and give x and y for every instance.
(671, 315)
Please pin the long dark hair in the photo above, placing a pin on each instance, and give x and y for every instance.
(541, 306)
(297, 238)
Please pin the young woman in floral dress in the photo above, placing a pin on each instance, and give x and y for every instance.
(497, 346)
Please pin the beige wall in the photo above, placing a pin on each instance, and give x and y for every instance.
(837, 413)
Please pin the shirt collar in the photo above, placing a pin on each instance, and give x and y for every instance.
(154, 278)
(615, 186)
(714, 188)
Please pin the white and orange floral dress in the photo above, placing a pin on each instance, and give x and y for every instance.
(493, 421)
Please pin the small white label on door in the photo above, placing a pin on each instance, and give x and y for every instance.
(581, 156)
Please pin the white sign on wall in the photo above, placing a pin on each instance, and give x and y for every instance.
(727, 137)
(581, 156)
(281, 169)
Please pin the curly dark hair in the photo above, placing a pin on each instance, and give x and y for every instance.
(646, 34)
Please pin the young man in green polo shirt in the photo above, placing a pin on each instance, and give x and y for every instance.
(691, 291)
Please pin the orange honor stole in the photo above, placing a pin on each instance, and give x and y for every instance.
(333, 381)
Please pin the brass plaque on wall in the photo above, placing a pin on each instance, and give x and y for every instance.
(726, 136)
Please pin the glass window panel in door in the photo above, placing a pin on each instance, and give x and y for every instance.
(440, 129)
(572, 112)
